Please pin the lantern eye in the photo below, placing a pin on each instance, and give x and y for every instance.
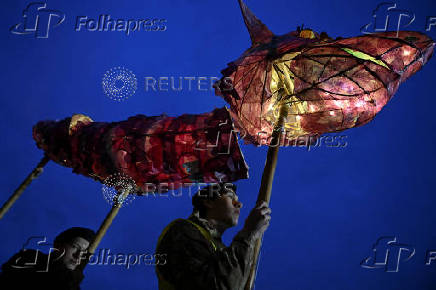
(364, 56)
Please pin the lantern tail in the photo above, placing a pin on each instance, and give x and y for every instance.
(259, 33)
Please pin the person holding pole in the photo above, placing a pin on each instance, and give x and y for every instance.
(32, 269)
(196, 257)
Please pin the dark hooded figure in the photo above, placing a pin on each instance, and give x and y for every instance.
(60, 270)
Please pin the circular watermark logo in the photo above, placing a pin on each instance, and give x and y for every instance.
(115, 185)
(119, 83)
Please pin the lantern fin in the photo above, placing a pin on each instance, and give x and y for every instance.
(259, 33)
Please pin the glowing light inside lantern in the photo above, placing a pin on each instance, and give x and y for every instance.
(406, 52)
(338, 104)
(360, 103)
(332, 113)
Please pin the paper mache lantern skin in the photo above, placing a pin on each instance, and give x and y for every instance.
(329, 85)
(150, 150)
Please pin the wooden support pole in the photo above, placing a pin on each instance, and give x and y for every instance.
(17, 193)
(118, 202)
(266, 184)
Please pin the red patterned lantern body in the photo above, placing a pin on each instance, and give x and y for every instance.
(150, 150)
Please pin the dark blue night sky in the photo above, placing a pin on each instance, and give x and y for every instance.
(329, 205)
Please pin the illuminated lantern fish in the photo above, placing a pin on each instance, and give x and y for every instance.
(150, 150)
(328, 85)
